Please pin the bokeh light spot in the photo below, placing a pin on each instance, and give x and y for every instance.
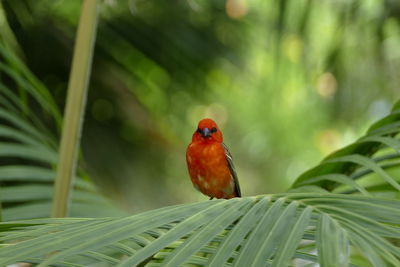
(218, 112)
(236, 8)
(328, 140)
(214, 111)
(326, 85)
(293, 47)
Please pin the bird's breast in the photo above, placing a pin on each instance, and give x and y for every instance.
(208, 169)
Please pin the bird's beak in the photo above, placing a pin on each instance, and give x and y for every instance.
(206, 132)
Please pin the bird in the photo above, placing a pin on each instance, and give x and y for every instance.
(210, 163)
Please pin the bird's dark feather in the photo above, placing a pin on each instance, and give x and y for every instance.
(232, 169)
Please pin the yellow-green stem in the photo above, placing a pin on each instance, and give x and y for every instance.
(75, 107)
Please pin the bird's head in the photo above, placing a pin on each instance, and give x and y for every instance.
(207, 130)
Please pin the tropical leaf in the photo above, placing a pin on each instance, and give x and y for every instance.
(364, 166)
(270, 230)
(28, 149)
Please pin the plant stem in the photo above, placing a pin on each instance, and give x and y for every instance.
(75, 107)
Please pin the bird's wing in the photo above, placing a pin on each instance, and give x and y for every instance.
(232, 169)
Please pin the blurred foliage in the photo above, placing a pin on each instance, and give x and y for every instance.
(28, 149)
(288, 82)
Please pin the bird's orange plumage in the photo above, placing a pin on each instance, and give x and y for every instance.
(210, 163)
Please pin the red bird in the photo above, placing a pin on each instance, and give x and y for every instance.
(210, 163)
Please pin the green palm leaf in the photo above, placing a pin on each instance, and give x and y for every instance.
(350, 169)
(255, 231)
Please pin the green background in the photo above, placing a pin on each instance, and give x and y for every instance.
(287, 81)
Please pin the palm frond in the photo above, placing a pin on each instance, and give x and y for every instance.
(255, 231)
(364, 166)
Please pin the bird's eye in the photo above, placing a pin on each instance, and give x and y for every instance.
(198, 130)
(213, 130)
